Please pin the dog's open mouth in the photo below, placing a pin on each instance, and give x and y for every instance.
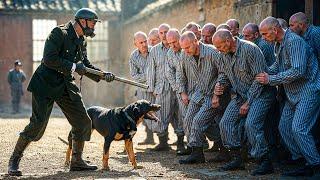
(151, 115)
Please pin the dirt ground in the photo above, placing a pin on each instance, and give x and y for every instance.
(45, 159)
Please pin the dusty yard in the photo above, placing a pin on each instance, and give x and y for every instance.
(45, 159)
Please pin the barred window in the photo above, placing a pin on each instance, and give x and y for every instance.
(97, 47)
(40, 31)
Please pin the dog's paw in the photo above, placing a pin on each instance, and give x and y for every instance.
(105, 169)
(67, 163)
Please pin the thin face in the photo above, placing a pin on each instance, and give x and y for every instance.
(233, 29)
(268, 34)
(207, 36)
(173, 43)
(248, 35)
(153, 40)
(189, 46)
(141, 44)
(295, 26)
(222, 45)
(162, 33)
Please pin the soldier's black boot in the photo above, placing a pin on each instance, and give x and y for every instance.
(149, 139)
(180, 145)
(195, 157)
(265, 166)
(222, 156)
(236, 162)
(13, 167)
(163, 144)
(184, 152)
(77, 163)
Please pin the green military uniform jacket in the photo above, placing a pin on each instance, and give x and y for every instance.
(62, 48)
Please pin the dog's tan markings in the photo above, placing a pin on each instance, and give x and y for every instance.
(130, 152)
(140, 120)
(68, 156)
(105, 159)
(118, 136)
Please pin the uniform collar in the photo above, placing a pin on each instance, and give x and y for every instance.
(72, 31)
(306, 35)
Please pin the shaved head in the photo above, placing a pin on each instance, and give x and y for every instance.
(173, 37)
(283, 23)
(250, 32)
(189, 43)
(233, 23)
(188, 35)
(163, 29)
(299, 23)
(234, 26)
(139, 34)
(222, 34)
(195, 28)
(224, 26)
(271, 30)
(270, 22)
(140, 41)
(223, 40)
(173, 32)
(207, 32)
(299, 17)
(153, 37)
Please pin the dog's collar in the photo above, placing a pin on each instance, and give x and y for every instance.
(130, 118)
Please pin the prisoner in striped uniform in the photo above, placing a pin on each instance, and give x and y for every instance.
(310, 33)
(241, 61)
(137, 63)
(200, 59)
(173, 63)
(160, 87)
(296, 68)
(251, 33)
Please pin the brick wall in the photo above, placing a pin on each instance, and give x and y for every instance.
(181, 12)
(15, 44)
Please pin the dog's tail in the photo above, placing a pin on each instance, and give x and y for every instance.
(64, 141)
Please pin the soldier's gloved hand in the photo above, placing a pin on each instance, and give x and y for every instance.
(80, 69)
(108, 76)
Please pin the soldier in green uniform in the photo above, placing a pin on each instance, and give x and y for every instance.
(15, 79)
(53, 81)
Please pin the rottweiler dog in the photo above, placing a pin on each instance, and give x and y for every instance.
(118, 124)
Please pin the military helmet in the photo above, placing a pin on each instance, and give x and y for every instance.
(86, 13)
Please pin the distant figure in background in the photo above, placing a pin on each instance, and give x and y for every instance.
(234, 26)
(153, 37)
(15, 78)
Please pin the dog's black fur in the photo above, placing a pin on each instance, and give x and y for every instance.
(119, 123)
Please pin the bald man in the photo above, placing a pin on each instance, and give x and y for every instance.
(199, 59)
(296, 68)
(234, 26)
(207, 32)
(251, 33)
(195, 28)
(241, 61)
(153, 37)
(311, 34)
(173, 63)
(159, 85)
(138, 68)
(224, 26)
(283, 23)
